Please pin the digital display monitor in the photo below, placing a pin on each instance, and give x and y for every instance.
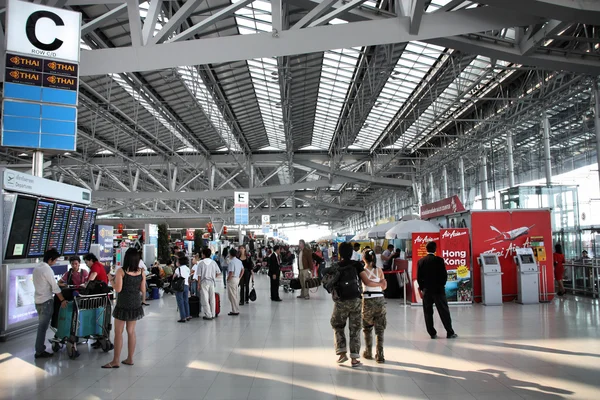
(527, 259)
(490, 260)
(40, 230)
(58, 227)
(73, 230)
(87, 228)
(18, 238)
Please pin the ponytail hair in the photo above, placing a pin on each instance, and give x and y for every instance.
(369, 256)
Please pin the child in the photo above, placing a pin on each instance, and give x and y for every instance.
(373, 308)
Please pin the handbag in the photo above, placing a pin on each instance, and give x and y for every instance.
(178, 284)
(252, 295)
(313, 283)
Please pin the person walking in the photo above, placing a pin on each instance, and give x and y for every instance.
(347, 304)
(129, 282)
(208, 270)
(45, 287)
(432, 277)
(275, 272)
(224, 261)
(236, 270)
(305, 263)
(246, 260)
(559, 268)
(183, 304)
(373, 308)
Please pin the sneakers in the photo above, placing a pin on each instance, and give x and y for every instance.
(44, 354)
(343, 358)
(453, 336)
(434, 336)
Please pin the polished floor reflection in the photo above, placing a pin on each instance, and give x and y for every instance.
(285, 351)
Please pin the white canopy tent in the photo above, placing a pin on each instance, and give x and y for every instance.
(379, 231)
(404, 230)
(362, 235)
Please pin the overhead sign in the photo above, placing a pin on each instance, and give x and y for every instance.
(104, 237)
(48, 32)
(266, 219)
(241, 212)
(451, 205)
(24, 183)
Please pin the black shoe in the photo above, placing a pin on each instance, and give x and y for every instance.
(276, 300)
(182, 320)
(241, 304)
(453, 336)
(206, 318)
(247, 302)
(233, 314)
(434, 336)
(44, 354)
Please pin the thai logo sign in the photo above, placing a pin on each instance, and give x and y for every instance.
(451, 205)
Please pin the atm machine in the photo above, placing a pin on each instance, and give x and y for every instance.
(491, 279)
(528, 279)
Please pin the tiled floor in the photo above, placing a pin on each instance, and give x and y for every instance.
(285, 351)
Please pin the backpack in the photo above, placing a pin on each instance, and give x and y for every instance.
(342, 282)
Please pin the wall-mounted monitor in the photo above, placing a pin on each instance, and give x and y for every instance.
(87, 228)
(40, 229)
(58, 228)
(527, 259)
(73, 230)
(20, 228)
(490, 260)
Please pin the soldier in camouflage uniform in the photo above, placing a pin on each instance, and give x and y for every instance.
(373, 309)
(347, 305)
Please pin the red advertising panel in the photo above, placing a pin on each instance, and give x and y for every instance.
(419, 243)
(189, 234)
(502, 232)
(451, 205)
(454, 248)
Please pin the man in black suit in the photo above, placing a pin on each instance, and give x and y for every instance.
(432, 277)
(275, 272)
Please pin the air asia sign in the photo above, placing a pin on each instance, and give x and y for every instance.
(447, 206)
(43, 31)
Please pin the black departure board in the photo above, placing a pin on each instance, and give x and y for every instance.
(87, 228)
(59, 227)
(40, 229)
(20, 230)
(73, 230)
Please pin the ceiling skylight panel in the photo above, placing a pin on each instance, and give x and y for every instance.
(192, 80)
(153, 111)
(416, 57)
(264, 73)
(333, 88)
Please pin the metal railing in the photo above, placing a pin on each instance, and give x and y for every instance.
(583, 277)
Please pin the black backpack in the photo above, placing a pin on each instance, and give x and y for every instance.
(342, 281)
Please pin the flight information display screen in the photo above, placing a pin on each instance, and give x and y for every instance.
(73, 230)
(58, 228)
(40, 229)
(18, 238)
(87, 228)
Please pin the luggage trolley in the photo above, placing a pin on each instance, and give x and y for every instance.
(287, 272)
(86, 317)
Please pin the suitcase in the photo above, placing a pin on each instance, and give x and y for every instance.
(217, 304)
(89, 322)
(194, 306)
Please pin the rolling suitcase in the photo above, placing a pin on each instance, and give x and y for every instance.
(217, 304)
(194, 306)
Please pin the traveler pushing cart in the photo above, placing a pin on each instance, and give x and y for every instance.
(287, 274)
(86, 317)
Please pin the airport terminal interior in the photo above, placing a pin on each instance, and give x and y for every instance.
(151, 151)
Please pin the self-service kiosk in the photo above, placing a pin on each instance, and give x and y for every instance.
(528, 279)
(491, 279)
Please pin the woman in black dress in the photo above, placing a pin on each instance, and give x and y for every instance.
(130, 283)
(248, 273)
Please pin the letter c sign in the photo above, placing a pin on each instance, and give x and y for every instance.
(30, 26)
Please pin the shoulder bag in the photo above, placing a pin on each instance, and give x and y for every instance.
(178, 284)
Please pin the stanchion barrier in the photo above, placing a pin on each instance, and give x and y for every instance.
(403, 272)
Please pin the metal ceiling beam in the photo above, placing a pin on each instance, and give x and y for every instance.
(414, 9)
(315, 13)
(496, 51)
(103, 19)
(356, 176)
(215, 194)
(529, 44)
(582, 11)
(350, 5)
(175, 21)
(307, 40)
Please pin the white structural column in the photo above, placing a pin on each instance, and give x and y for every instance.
(461, 176)
(597, 122)
(510, 159)
(484, 184)
(547, 154)
(445, 182)
(38, 165)
(431, 188)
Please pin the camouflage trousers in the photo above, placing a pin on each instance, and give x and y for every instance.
(374, 316)
(344, 310)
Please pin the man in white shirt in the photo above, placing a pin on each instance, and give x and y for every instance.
(236, 270)
(206, 275)
(45, 288)
(356, 252)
